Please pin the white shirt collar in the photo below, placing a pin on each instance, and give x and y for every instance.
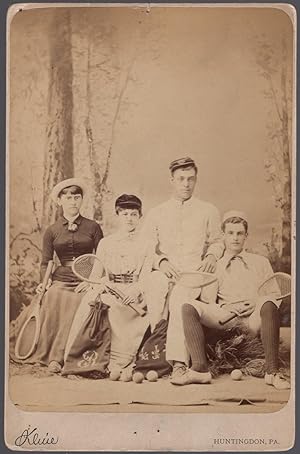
(182, 202)
(121, 235)
(228, 256)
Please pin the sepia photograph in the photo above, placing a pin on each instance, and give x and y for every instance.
(150, 224)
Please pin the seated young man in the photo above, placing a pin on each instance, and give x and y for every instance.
(240, 274)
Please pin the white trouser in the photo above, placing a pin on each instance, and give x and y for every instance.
(156, 287)
(210, 315)
(175, 346)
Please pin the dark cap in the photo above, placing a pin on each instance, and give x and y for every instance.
(181, 163)
(129, 201)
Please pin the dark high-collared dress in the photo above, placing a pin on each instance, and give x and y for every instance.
(60, 302)
(69, 244)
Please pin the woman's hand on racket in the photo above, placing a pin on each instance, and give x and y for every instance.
(209, 264)
(82, 287)
(169, 270)
(99, 288)
(131, 294)
(40, 287)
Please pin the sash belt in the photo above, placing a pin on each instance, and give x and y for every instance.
(123, 278)
(67, 263)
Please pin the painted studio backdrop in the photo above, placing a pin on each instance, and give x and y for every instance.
(113, 94)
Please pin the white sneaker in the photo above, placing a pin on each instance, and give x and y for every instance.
(277, 380)
(189, 376)
(177, 371)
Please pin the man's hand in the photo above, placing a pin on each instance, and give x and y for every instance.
(168, 269)
(245, 309)
(40, 286)
(209, 264)
(132, 294)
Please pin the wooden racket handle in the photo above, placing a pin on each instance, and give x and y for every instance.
(47, 277)
(120, 295)
(233, 314)
(228, 319)
(138, 309)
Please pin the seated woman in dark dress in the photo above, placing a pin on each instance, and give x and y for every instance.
(69, 237)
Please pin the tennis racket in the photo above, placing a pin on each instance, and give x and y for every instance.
(29, 335)
(196, 279)
(277, 286)
(89, 268)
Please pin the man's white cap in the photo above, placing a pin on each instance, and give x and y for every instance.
(235, 214)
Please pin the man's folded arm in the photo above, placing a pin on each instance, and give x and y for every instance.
(215, 241)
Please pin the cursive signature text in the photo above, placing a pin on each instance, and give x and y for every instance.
(32, 437)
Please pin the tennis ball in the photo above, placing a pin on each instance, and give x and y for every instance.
(126, 375)
(138, 377)
(236, 374)
(114, 375)
(152, 375)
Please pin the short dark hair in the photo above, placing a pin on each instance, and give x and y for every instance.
(235, 220)
(128, 201)
(72, 189)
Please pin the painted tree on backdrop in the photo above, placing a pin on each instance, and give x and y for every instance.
(100, 100)
(88, 81)
(89, 76)
(58, 158)
(275, 68)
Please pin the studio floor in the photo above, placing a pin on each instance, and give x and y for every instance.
(56, 393)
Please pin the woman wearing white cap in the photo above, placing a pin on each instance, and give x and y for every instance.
(69, 237)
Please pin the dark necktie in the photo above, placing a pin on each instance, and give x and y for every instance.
(236, 257)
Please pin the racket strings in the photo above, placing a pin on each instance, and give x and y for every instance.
(284, 285)
(83, 267)
(279, 285)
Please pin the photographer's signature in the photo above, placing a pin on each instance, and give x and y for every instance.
(32, 437)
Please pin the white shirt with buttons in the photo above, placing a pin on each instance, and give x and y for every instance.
(184, 232)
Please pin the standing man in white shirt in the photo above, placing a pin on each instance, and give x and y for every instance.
(240, 275)
(187, 236)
